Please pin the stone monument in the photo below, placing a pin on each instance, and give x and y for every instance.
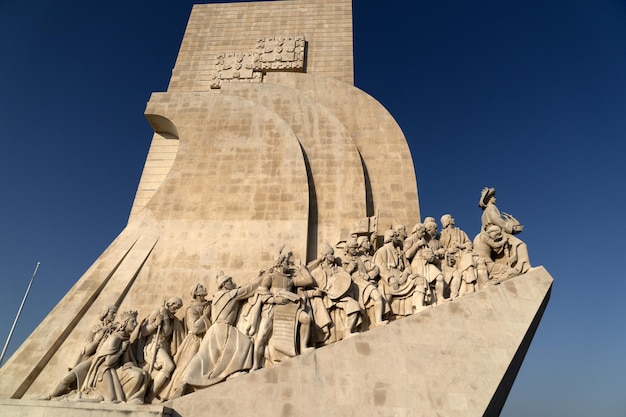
(268, 191)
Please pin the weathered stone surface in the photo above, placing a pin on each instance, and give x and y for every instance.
(237, 171)
(234, 174)
(456, 359)
(26, 408)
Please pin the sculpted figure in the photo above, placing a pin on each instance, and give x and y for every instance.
(491, 214)
(414, 242)
(285, 325)
(459, 257)
(114, 375)
(402, 234)
(365, 278)
(452, 276)
(426, 264)
(336, 283)
(100, 330)
(432, 240)
(224, 350)
(196, 322)
(160, 334)
(505, 256)
(452, 238)
(508, 225)
(397, 282)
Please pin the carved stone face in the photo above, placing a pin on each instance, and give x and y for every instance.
(229, 285)
(329, 258)
(201, 291)
(494, 232)
(130, 325)
(110, 316)
(173, 307)
(431, 228)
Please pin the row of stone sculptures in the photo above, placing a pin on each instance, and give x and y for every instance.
(291, 308)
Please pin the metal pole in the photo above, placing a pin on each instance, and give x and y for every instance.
(19, 311)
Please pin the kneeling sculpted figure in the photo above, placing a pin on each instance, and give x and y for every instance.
(98, 334)
(114, 375)
(505, 255)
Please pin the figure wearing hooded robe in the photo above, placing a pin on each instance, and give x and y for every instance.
(224, 350)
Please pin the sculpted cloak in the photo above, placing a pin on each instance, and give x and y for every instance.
(224, 350)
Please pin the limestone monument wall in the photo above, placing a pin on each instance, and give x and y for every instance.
(263, 146)
(240, 166)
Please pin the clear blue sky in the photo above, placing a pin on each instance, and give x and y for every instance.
(525, 96)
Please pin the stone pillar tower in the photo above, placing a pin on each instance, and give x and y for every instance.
(261, 142)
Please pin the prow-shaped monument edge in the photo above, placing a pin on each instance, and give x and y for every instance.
(264, 151)
(455, 359)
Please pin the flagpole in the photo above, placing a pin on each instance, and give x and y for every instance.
(19, 311)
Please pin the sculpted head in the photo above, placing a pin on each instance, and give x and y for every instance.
(107, 315)
(364, 243)
(431, 228)
(198, 290)
(494, 232)
(401, 231)
(224, 282)
(447, 220)
(328, 254)
(418, 230)
(390, 236)
(128, 321)
(173, 304)
(487, 196)
(352, 246)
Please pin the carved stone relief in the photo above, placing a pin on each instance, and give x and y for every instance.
(273, 53)
(280, 53)
(291, 308)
